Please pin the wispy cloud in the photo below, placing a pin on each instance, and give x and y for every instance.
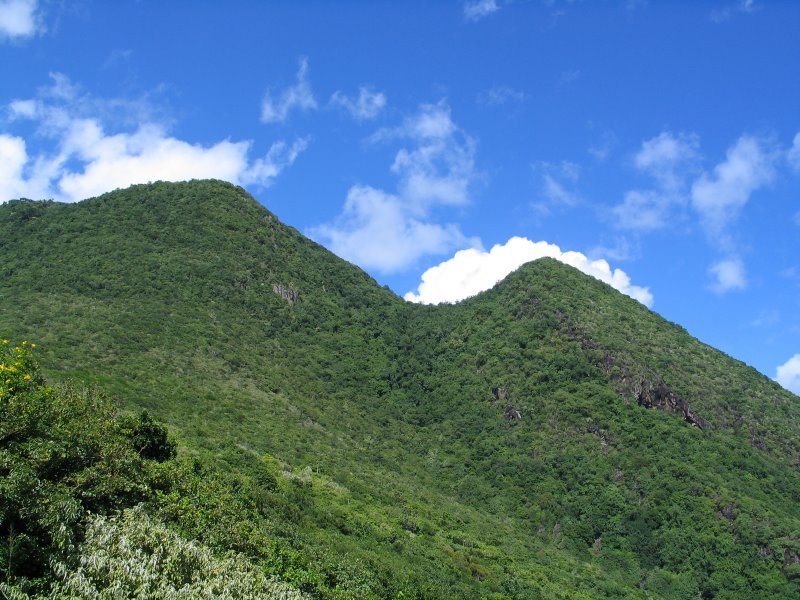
(390, 231)
(621, 249)
(472, 271)
(439, 167)
(19, 19)
(720, 15)
(720, 196)
(793, 155)
(276, 108)
(569, 77)
(788, 374)
(367, 105)
(669, 159)
(475, 10)
(601, 150)
(555, 181)
(500, 95)
(716, 197)
(85, 159)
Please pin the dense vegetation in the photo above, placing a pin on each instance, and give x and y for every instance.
(550, 438)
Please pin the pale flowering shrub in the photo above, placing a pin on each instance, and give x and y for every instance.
(134, 556)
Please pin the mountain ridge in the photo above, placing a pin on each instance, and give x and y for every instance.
(522, 410)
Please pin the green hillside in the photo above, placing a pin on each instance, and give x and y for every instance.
(549, 438)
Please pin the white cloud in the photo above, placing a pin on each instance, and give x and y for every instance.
(367, 105)
(472, 271)
(85, 160)
(794, 153)
(621, 250)
(376, 230)
(643, 210)
(500, 95)
(13, 157)
(440, 166)
(281, 155)
(601, 150)
(669, 158)
(788, 374)
(666, 156)
(22, 109)
(18, 18)
(742, 6)
(719, 198)
(569, 77)
(730, 275)
(298, 96)
(389, 231)
(478, 9)
(554, 192)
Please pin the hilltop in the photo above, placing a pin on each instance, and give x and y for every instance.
(547, 438)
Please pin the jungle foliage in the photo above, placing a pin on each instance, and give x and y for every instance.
(548, 438)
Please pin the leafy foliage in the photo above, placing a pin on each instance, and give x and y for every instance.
(62, 455)
(133, 556)
(354, 445)
(148, 438)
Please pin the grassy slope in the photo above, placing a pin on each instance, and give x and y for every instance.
(163, 296)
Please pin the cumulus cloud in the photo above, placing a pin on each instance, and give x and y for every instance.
(669, 159)
(475, 10)
(788, 374)
(18, 19)
(367, 105)
(389, 231)
(295, 97)
(729, 275)
(84, 159)
(472, 271)
(719, 198)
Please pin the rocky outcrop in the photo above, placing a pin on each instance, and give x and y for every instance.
(659, 395)
(600, 433)
(499, 393)
(649, 389)
(511, 413)
(287, 293)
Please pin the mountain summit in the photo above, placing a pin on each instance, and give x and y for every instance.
(548, 438)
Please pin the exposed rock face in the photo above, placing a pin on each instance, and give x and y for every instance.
(287, 293)
(649, 390)
(601, 435)
(660, 395)
(790, 559)
(511, 413)
(500, 393)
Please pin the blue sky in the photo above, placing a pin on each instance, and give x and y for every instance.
(654, 145)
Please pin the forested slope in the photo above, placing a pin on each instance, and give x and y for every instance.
(548, 438)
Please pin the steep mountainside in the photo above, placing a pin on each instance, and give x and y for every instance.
(548, 438)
